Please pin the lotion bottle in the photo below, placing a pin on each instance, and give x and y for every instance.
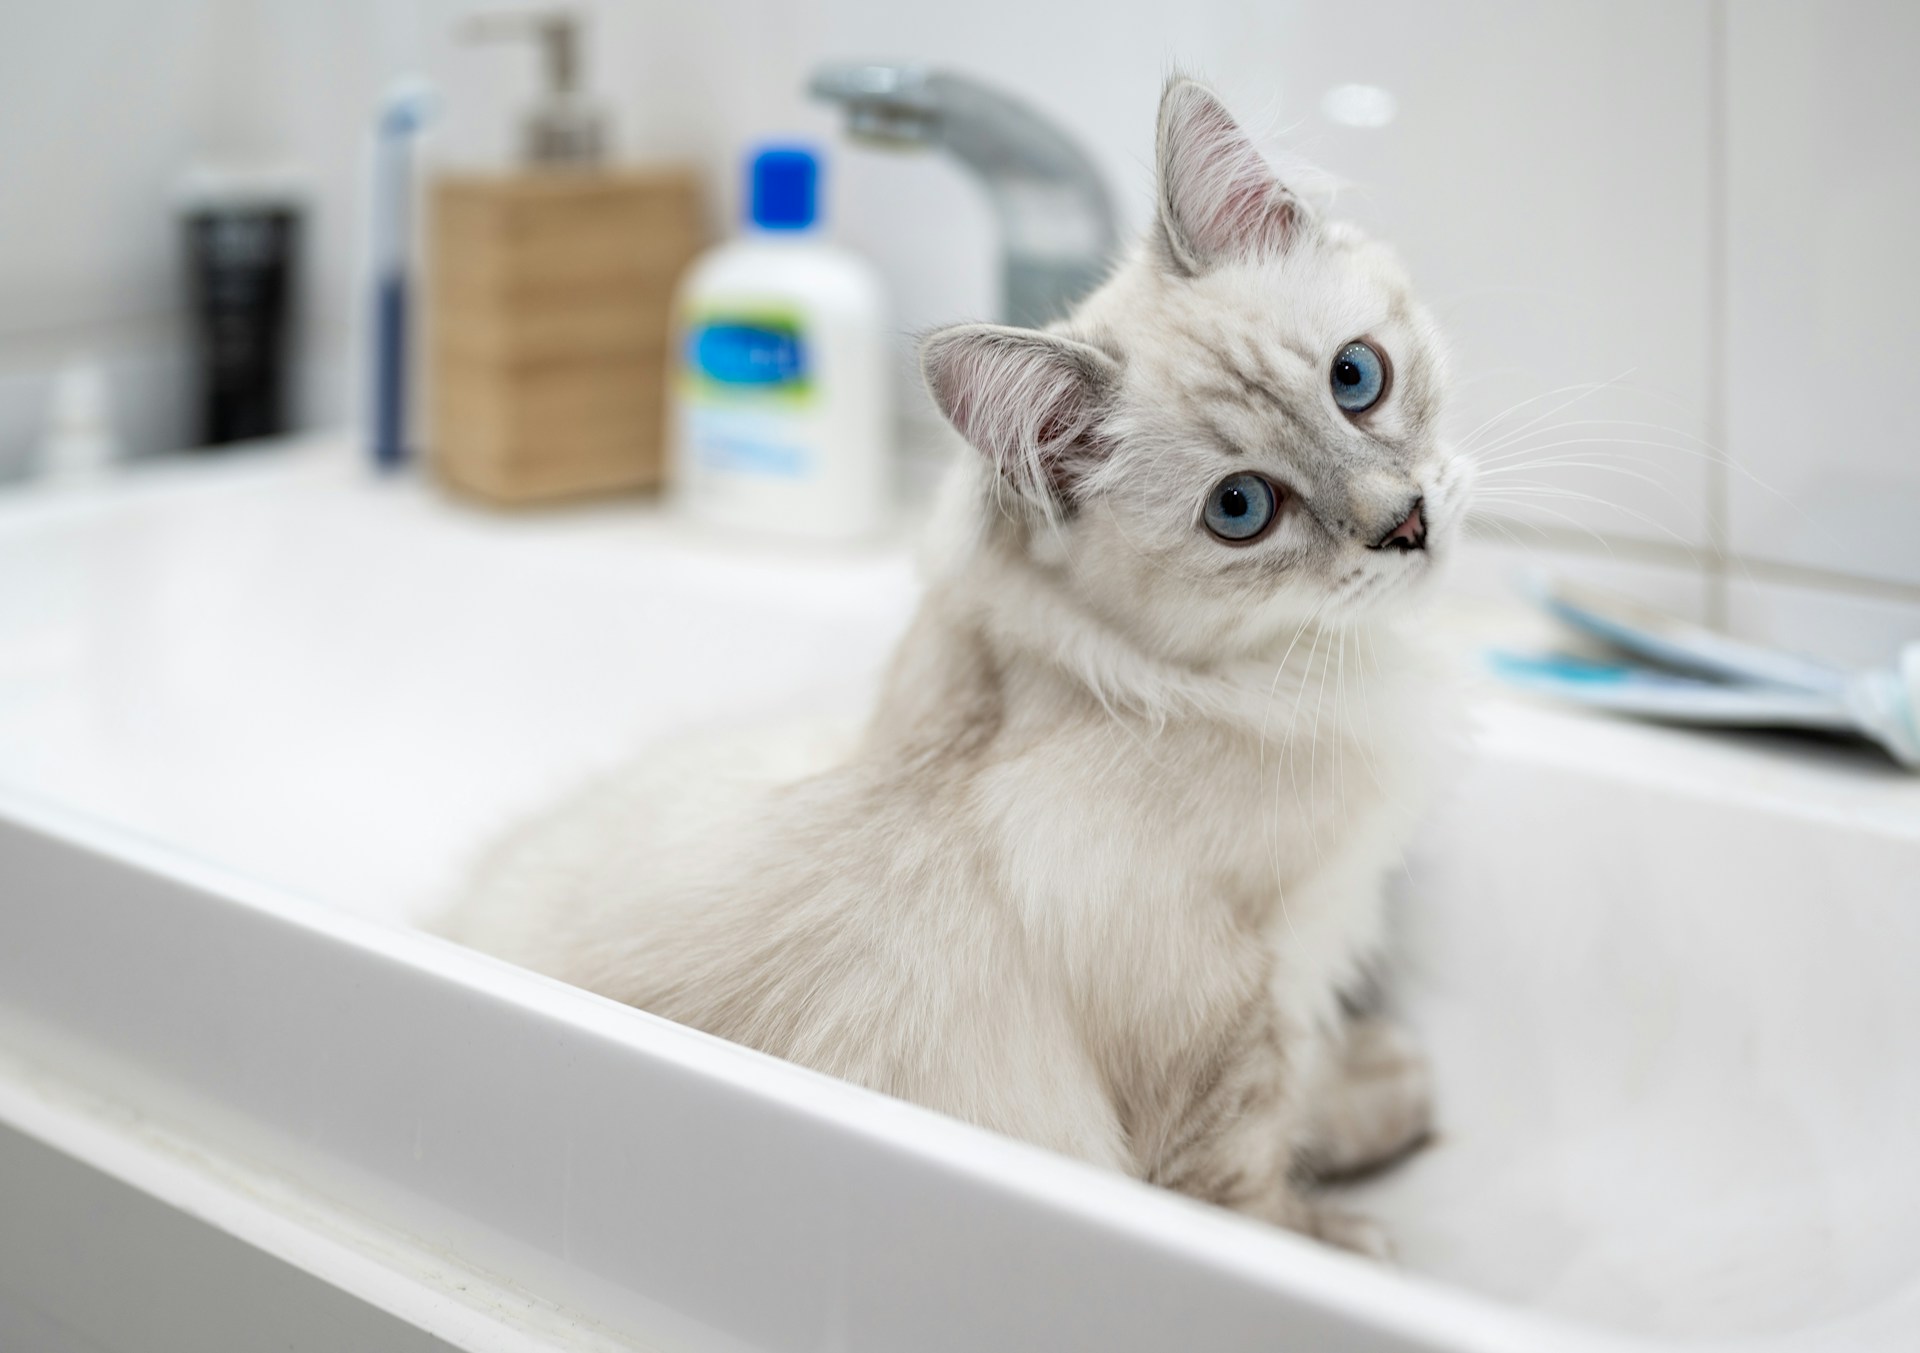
(781, 420)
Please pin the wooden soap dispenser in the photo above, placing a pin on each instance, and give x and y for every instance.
(550, 293)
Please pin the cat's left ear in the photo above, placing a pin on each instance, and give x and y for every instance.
(1032, 403)
(1219, 200)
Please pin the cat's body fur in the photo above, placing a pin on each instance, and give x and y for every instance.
(1109, 853)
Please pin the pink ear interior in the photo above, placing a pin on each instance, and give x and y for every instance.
(1027, 401)
(1221, 198)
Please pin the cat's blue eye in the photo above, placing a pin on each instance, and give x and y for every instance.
(1240, 507)
(1359, 377)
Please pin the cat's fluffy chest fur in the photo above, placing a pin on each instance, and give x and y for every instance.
(1171, 872)
(1109, 853)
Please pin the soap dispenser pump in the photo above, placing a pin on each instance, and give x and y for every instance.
(565, 127)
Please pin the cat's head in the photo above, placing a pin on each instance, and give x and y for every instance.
(1238, 433)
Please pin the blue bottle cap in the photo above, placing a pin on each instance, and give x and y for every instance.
(785, 179)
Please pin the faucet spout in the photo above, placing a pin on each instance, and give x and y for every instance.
(1056, 219)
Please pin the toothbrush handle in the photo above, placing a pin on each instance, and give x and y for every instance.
(389, 373)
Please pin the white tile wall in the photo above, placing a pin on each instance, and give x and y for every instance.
(1629, 199)
(1840, 625)
(102, 107)
(1823, 332)
(99, 105)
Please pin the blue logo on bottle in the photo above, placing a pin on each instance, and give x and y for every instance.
(756, 355)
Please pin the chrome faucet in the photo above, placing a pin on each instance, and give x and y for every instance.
(1056, 220)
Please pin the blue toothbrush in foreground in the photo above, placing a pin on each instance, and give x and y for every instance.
(1682, 673)
(404, 113)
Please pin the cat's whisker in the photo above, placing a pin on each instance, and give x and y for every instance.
(1699, 447)
(1359, 699)
(1507, 436)
(1587, 387)
(1551, 469)
(1293, 775)
(1313, 750)
(1582, 391)
(1620, 444)
(1575, 463)
(1339, 686)
(1373, 666)
(1505, 526)
(1509, 488)
(1533, 492)
(1633, 453)
(1687, 444)
(1572, 521)
(1280, 669)
(1293, 723)
(1644, 425)
(1703, 451)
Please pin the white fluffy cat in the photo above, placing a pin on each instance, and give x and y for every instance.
(1108, 858)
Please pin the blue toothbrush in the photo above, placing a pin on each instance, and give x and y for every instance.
(407, 107)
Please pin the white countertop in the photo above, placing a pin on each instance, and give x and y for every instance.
(336, 683)
(340, 684)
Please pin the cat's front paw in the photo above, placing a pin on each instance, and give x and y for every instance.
(1352, 1232)
(1376, 1107)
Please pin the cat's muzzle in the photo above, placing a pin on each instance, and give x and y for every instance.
(1410, 534)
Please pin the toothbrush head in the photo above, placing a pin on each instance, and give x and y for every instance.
(409, 105)
(1885, 702)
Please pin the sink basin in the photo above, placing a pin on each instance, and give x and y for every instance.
(1667, 984)
(256, 716)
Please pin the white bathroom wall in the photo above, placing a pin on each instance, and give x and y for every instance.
(104, 105)
(1669, 238)
(1823, 318)
(100, 104)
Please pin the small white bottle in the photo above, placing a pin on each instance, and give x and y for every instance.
(78, 445)
(781, 409)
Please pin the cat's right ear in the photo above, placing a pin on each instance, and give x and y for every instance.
(1219, 199)
(1032, 403)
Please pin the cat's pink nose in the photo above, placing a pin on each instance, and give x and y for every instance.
(1411, 533)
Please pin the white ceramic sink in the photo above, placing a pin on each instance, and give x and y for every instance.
(255, 716)
(1669, 985)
